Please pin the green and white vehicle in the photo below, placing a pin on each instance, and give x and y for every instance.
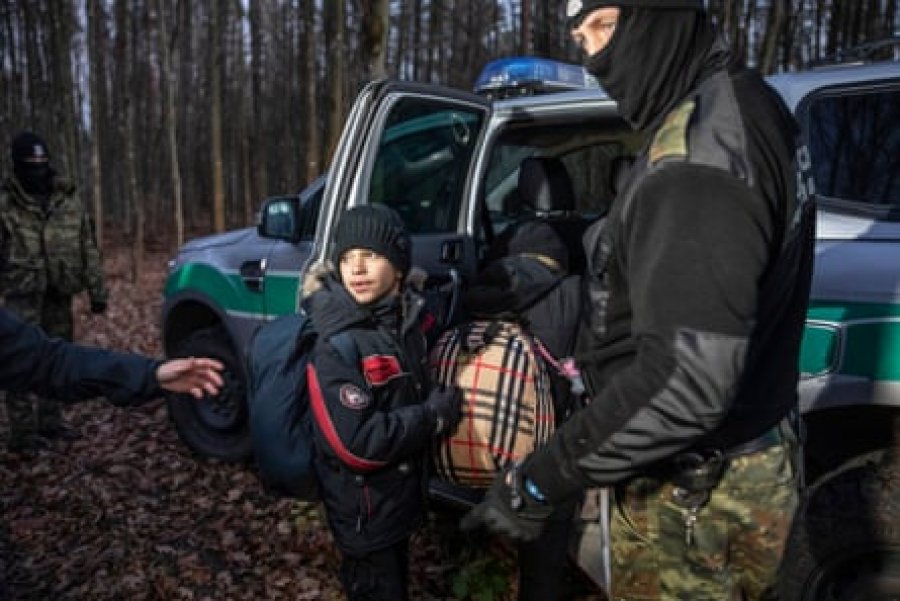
(448, 162)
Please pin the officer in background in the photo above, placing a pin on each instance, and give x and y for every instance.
(697, 287)
(47, 255)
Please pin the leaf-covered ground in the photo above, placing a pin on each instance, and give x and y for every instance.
(126, 511)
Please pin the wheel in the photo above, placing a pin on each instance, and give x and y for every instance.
(216, 426)
(845, 544)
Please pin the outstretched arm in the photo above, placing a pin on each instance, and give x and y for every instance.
(30, 361)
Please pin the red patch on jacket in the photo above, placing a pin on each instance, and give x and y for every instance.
(380, 369)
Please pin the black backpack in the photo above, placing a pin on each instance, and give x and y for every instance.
(278, 399)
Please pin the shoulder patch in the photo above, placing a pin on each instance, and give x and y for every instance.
(670, 140)
(353, 397)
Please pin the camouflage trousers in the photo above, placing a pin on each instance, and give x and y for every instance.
(29, 413)
(734, 547)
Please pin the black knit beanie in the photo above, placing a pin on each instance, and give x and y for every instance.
(577, 10)
(376, 227)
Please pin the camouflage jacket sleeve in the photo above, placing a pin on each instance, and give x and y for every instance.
(93, 266)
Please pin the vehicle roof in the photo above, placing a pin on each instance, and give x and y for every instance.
(794, 87)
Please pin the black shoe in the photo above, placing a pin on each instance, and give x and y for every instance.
(59, 432)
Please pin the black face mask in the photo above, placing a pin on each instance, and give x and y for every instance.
(654, 59)
(36, 178)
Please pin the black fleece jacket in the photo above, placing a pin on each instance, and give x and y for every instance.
(697, 283)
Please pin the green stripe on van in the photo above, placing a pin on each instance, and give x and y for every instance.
(230, 293)
(226, 287)
(859, 339)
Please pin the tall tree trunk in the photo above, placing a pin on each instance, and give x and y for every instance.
(168, 49)
(259, 153)
(97, 86)
(334, 72)
(313, 145)
(63, 85)
(376, 22)
(215, 115)
(527, 42)
(775, 27)
(432, 44)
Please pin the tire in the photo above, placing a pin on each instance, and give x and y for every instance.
(845, 544)
(216, 426)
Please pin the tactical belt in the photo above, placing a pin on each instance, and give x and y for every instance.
(769, 438)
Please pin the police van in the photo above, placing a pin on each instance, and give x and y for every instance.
(449, 162)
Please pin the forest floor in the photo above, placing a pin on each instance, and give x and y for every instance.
(127, 512)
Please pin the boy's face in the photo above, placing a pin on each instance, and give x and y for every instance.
(368, 276)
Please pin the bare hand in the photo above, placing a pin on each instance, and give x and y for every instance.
(192, 375)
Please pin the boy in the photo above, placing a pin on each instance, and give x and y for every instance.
(372, 427)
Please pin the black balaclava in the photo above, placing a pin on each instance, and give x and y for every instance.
(655, 57)
(31, 163)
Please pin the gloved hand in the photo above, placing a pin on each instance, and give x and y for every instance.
(98, 306)
(445, 406)
(509, 508)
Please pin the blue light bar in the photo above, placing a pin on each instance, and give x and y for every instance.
(529, 74)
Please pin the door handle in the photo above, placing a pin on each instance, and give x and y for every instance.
(253, 274)
(451, 251)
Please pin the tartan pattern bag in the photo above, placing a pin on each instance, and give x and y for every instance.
(507, 403)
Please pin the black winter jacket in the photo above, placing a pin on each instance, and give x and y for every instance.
(698, 284)
(372, 433)
(30, 361)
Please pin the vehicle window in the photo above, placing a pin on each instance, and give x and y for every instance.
(593, 165)
(854, 141)
(422, 161)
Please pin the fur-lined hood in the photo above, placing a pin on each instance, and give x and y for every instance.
(332, 309)
(320, 270)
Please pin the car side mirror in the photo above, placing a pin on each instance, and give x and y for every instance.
(280, 219)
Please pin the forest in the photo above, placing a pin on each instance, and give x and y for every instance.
(177, 118)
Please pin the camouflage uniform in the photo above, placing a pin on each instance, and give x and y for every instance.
(47, 255)
(735, 544)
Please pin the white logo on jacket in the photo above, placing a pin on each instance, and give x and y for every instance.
(352, 397)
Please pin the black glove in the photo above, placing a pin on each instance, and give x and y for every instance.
(445, 406)
(98, 306)
(509, 508)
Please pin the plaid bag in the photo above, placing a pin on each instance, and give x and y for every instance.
(507, 400)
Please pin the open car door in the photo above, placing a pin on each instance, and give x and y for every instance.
(411, 147)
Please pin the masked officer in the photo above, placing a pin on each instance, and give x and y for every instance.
(697, 287)
(47, 255)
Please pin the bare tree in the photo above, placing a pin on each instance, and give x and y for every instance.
(334, 71)
(215, 115)
(167, 58)
(313, 145)
(376, 21)
(775, 27)
(95, 24)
